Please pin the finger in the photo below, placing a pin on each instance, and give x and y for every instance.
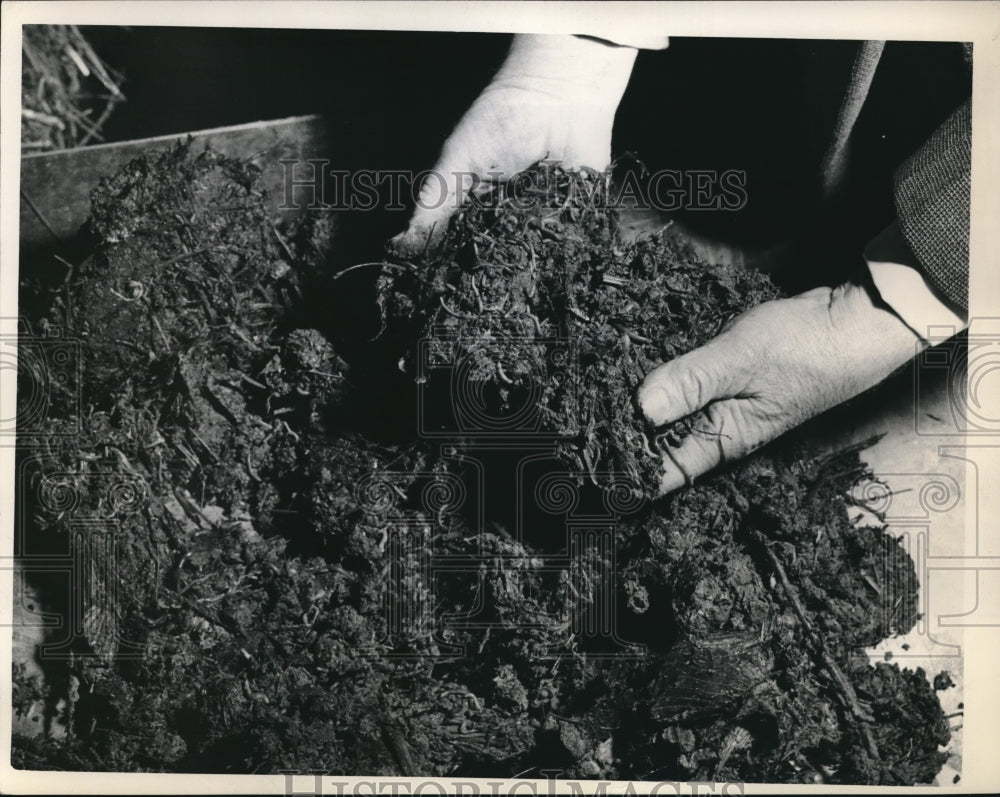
(688, 383)
(443, 191)
(718, 437)
(591, 152)
(418, 238)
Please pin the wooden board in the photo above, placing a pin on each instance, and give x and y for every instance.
(56, 186)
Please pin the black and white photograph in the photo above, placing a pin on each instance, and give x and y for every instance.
(499, 398)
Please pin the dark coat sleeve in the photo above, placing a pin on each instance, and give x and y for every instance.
(932, 195)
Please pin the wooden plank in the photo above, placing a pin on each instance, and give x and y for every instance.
(56, 186)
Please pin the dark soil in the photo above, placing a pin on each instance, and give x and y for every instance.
(546, 306)
(274, 501)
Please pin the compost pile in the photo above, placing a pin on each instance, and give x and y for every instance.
(259, 590)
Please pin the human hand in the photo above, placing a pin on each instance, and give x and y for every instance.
(769, 370)
(554, 98)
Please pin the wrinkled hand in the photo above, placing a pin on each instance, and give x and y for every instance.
(554, 98)
(769, 370)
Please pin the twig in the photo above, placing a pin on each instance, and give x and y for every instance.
(283, 242)
(631, 335)
(649, 448)
(44, 118)
(427, 243)
(41, 217)
(130, 345)
(219, 406)
(475, 290)
(81, 119)
(843, 685)
(193, 252)
(159, 328)
(108, 108)
(289, 430)
(447, 309)
(399, 748)
(250, 471)
(97, 64)
(396, 266)
(212, 455)
(192, 508)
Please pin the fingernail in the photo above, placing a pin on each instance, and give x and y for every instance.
(653, 402)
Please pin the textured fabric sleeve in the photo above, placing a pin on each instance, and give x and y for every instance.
(932, 190)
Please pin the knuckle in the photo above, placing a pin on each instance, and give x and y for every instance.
(692, 383)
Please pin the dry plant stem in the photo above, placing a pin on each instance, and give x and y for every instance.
(841, 682)
(67, 92)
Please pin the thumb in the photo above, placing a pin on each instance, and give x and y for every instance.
(688, 383)
(720, 436)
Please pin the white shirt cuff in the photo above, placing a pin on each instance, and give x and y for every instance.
(900, 282)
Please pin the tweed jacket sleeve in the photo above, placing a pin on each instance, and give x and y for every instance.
(932, 197)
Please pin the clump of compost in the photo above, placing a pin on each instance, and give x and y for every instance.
(535, 296)
(274, 583)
